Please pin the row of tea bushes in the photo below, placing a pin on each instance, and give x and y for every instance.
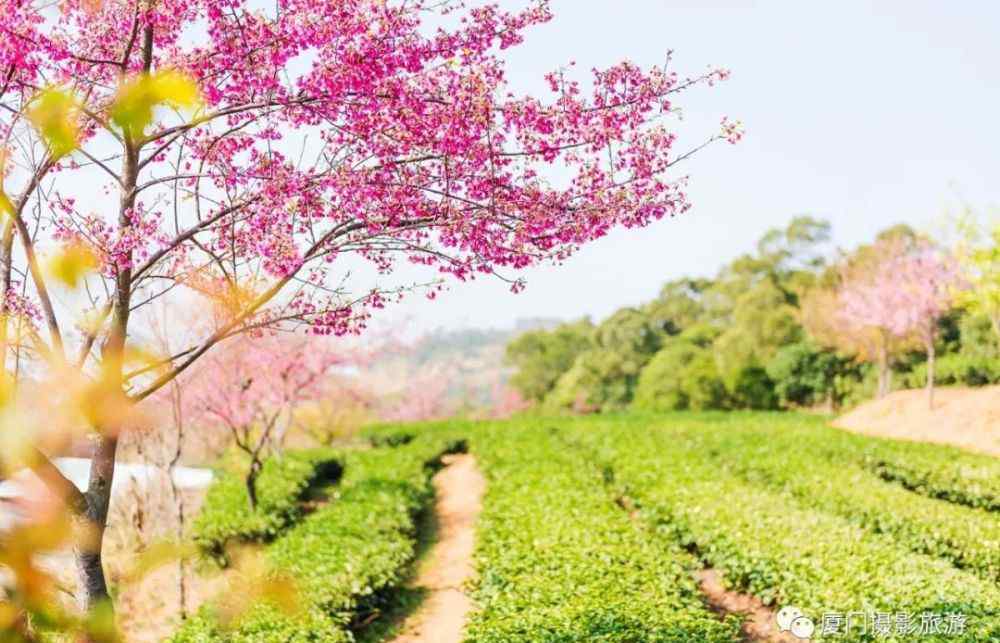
(559, 562)
(776, 546)
(343, 558)
(227, 518)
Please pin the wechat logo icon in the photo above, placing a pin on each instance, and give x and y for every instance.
(791, 619)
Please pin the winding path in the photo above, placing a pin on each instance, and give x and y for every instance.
(441, 618)
(759, 620)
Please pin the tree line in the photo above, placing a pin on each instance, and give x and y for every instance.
(792, 324)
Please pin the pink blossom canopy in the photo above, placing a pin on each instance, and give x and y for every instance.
(328, 134)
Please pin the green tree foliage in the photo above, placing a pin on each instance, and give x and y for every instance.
(731, 327)
(762, 334)
(680, 305)
(542, 356)
(683, 375)
(752, 388)
(595, 382)
(755, 300)
(756, 297)
(982, 266)
(763, 320)
(805, 375)
(977, 338)
(788, 258)
(604, 377)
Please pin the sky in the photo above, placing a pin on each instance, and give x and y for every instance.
(866, 114)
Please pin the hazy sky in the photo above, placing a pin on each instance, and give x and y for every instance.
(865, 113)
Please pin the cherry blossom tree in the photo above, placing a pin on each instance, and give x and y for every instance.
(904, 294)
(424, 396)
(866, 314)
(280, 160)
(920, 286)
(252, 388)
(822, 315)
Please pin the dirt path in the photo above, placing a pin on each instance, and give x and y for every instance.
(759, 623)
(441, 617)
(759, 620)
(966, 417)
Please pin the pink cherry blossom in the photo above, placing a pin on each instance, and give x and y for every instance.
(251, 387)
(332, 139)
(912, 286)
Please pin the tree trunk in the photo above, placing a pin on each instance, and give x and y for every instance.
(251, 482)
(93, 586)
(883, 370)
(6, 265)
(930, 374)
(181, 563)
(177, 496)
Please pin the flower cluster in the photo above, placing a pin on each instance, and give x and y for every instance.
(912, 286)
(274, 150)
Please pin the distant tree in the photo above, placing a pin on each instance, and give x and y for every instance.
(752, 388)
(822, 316)
(806, 375)
(789, 258)
(679, 305)
(755, 299)
(682, 375)
(977, 337)
(702, 334)
(797, 252)
(763, 320)
(865, 307)
(252, 386)
(904, 290)
(507, 401)
(423, 397)
(866, 337)
(919, 284)
(346, 404)
(604, 377)
(597, 381)
(981, 267)
(743, 316)
(542, 356)
(632, 333)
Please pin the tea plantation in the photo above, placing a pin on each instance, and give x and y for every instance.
(593, 529)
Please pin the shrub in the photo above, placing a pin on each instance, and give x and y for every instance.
(226, 515)
(957, 369)
(559, 562)
(751, 388)
(805, 375)
(774, 546)
(599, 380)
(681, 376)
(343, 557)
(389, 438)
